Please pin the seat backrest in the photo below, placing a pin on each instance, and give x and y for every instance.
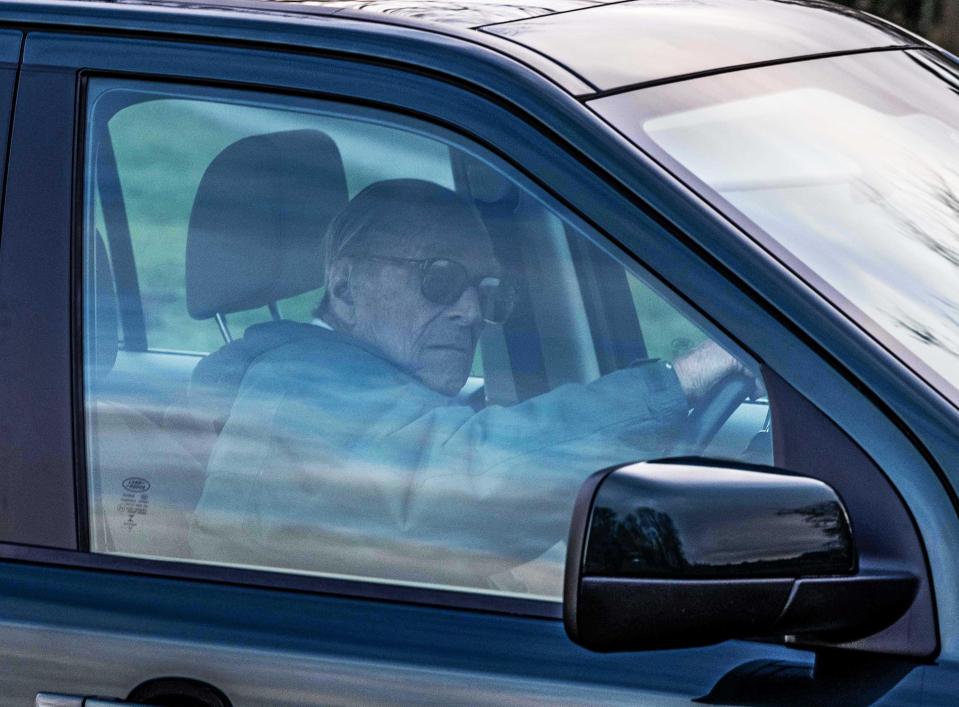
(256, 236)
(217, 378)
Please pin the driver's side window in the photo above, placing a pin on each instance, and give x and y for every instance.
(384, 353)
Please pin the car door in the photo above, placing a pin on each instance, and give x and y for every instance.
(83, 618)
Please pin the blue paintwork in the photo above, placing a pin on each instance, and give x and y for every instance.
(354, 632)
(9, 49)
(396, 41)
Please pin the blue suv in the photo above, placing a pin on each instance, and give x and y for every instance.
(410, 351)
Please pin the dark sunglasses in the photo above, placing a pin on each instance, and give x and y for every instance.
(444, 282)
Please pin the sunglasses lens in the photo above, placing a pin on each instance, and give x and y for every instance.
(497, 299)
(444, 281)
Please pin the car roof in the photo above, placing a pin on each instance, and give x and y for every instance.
(643, 41)
(606, 46)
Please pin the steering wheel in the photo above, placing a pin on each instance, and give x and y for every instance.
(712, 410)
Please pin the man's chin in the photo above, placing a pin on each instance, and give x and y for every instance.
(447, 385)
(446, 370)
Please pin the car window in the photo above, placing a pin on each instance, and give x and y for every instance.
(666, 332)
(373, 350)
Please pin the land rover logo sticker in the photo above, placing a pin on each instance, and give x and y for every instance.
(136, 485)
(134, 502)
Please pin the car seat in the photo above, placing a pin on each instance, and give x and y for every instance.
(255, 237)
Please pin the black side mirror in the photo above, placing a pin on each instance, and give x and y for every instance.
(682, 553)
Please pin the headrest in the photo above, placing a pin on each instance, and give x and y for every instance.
(258, 221)
(104, 312)
(486, 185)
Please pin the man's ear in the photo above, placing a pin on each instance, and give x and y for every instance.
(339, 291)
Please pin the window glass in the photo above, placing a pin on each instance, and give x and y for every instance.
(163, 147)
(406, 359)
(667, 333)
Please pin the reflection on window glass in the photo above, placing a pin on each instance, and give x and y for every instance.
(434, 382)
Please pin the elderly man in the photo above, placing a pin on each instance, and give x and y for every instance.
(346, 451)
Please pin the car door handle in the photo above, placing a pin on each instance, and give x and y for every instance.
(54, 699)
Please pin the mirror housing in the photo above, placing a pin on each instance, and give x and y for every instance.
(686, 553)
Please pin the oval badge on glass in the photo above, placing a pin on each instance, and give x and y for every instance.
(136, 485)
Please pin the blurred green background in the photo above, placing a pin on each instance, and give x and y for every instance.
(937, 20)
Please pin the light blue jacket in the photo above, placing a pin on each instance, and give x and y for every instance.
(336, 461)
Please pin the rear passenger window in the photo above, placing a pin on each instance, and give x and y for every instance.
(331, 340)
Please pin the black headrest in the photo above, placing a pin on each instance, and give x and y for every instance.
(104, 312)
(258, 221)
(487, 186)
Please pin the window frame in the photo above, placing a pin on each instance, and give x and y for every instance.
(571, 231)
(562, 166)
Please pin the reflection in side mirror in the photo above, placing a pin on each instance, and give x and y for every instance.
(682, 554)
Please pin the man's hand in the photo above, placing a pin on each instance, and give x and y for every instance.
(703, 367)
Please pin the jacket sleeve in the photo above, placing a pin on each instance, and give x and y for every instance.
(506, 477)
(369, 473)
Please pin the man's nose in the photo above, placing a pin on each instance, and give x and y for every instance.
(467, 309)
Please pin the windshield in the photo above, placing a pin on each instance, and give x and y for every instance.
(851, 163)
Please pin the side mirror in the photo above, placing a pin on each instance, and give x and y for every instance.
(682, 553)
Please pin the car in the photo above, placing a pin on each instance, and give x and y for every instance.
(769, 183)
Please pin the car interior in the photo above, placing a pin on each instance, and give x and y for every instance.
(247, 258)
